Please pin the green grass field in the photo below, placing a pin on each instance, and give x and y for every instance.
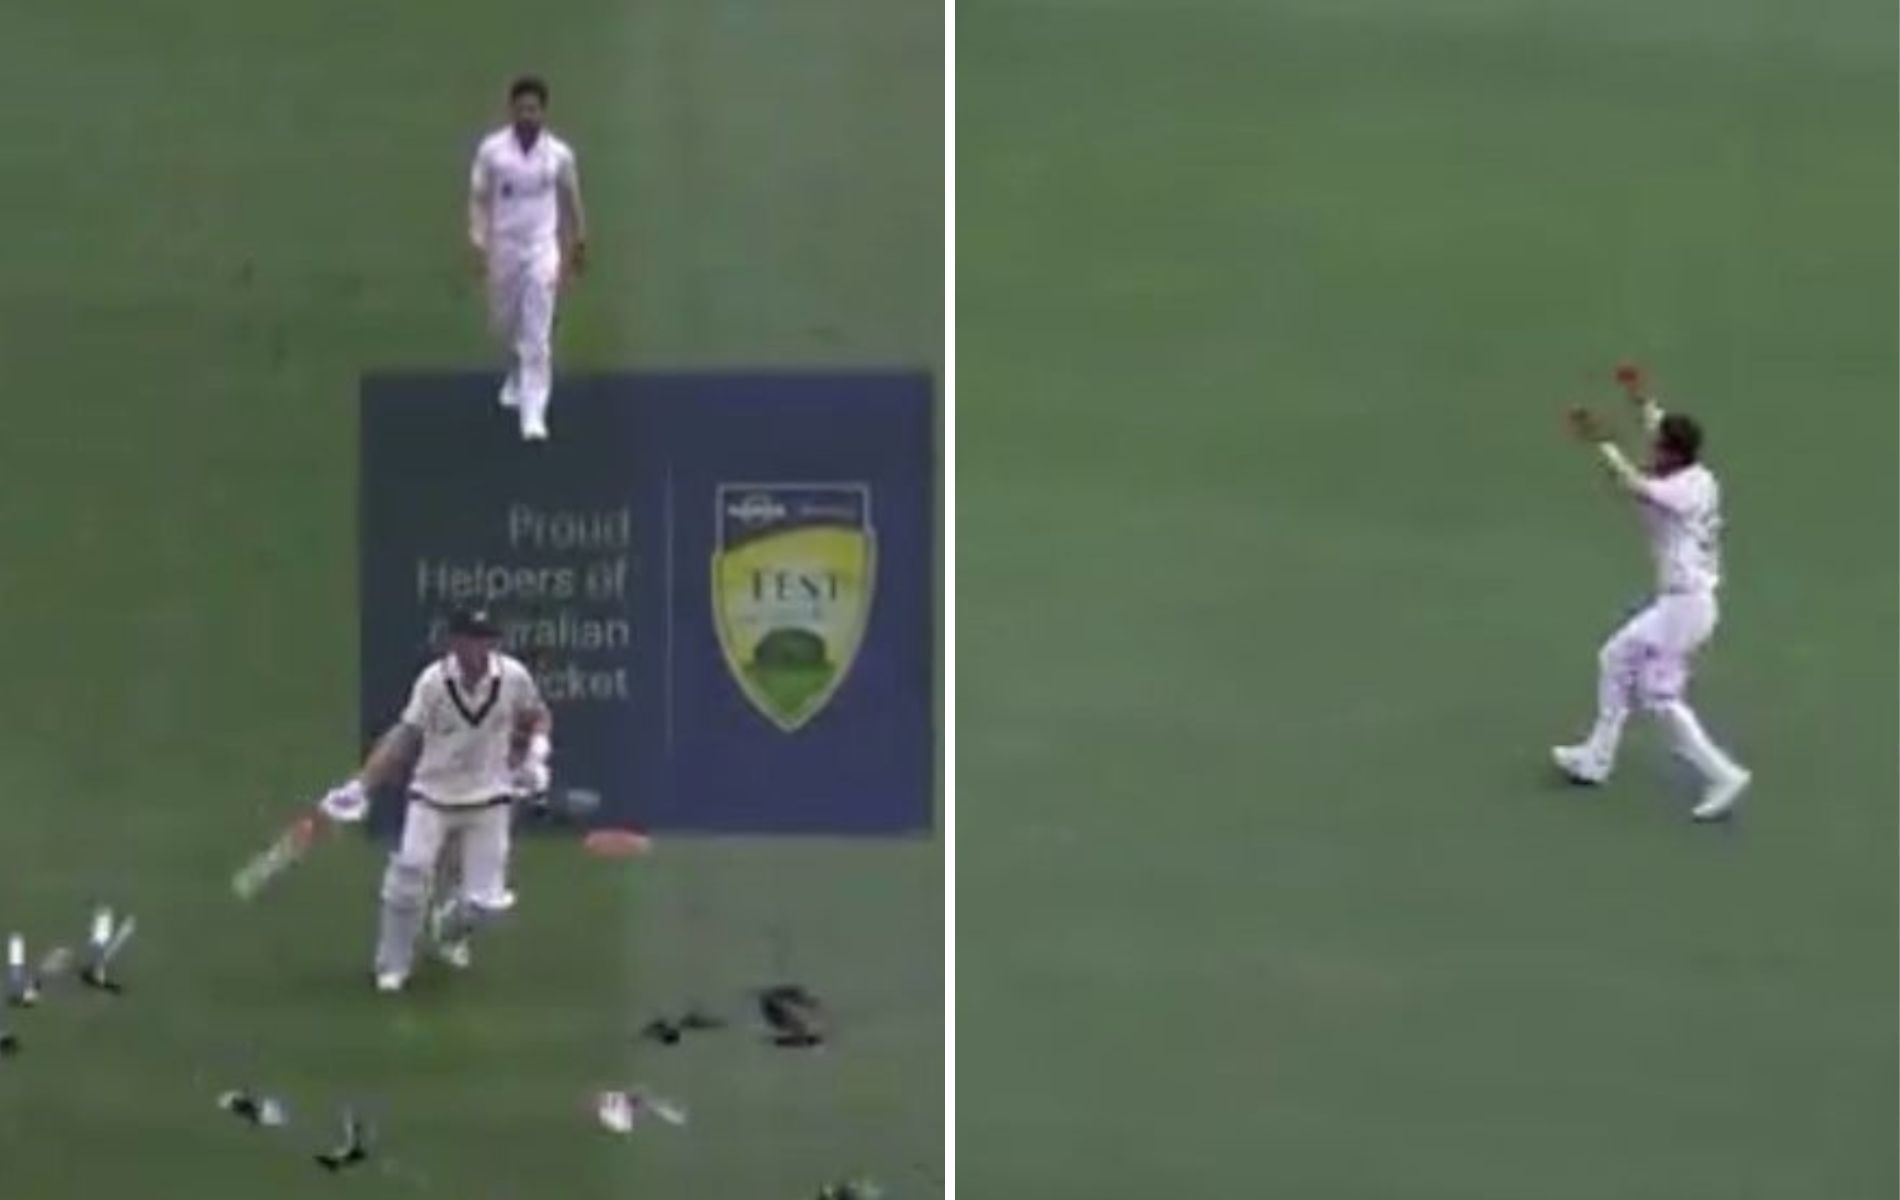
(1277, 576)
(224, 212)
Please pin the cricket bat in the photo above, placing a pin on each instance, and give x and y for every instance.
(284, 852)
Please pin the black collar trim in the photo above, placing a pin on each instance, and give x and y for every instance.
(478, 713)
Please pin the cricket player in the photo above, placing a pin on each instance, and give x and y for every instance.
(479, 736)
(1647, 661)
(526, 223)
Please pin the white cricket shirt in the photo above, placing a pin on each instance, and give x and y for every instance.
(1683, 512)
(519, 188)
(466, 727)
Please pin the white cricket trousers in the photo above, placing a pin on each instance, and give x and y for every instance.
(475, 840)
(1647, 663)
(471, 842)
(522, 282)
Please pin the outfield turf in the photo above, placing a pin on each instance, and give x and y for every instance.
(1276, 578)
(222, 212)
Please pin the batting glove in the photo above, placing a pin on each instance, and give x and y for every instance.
(347, 804)
(533, 778)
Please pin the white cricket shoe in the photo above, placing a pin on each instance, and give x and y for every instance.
(510, 394)
(456, 954)
(389, 982)
(1577, 765)
(453, 951)
(534, 429)
(1719, 799)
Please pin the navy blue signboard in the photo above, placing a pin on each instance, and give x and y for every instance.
(721, 581)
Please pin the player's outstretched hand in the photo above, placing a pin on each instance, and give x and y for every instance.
(1584, 424)
(1629, 377)
(347, 803)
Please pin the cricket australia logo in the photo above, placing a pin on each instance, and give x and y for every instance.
(792, 583)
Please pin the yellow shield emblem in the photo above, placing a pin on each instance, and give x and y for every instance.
(793, 574)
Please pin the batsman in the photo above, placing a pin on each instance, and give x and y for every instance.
(478, 734)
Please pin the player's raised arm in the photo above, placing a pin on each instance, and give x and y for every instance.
(1591, 431)
(1651, 411)
(567, 184)
(1660, 491)
(1635, 384)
